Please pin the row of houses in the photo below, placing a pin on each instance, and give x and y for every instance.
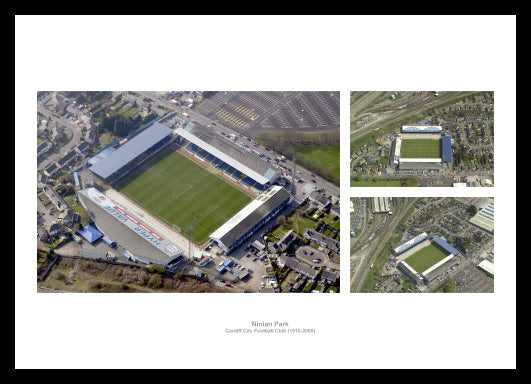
(326, 276)
(322, 240)
(72, 155)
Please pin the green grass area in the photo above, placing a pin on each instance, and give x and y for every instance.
(420, 149)
(425, 258)
(180, 192)
(325, 156)
(448, 287)
(298, 225)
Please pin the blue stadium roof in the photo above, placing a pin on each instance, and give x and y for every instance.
(444, 245)
(101, 155)
(90, 233)
(446, 149)
(134, 147)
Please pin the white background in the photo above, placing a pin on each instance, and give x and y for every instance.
(333, 53)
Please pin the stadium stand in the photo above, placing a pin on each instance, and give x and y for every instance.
(446, 142)
(226, 156)
(250, 218)
(411, 243)
(443, 245)
(123, 158)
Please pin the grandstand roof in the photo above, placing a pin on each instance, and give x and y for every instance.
(408, 244)
(421, 128)
(420, 165)
(431, 273)
(123, 227)
(446, 149)
(444, 245)
(243, 221)
(232, 154)
(102, 154)
(111, 163)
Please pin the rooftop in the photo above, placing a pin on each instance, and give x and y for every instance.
(227, 151)
(115, 160)
(250, 215)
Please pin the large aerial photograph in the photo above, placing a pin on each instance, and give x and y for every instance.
(188, 191)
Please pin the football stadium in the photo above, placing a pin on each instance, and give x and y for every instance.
(422, 259)
(165, 184)
(421, 147)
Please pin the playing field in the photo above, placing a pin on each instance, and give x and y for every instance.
(420, 149)
(180, 192)
(324, 157)
(425, 258)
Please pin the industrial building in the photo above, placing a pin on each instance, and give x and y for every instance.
(487, 266)
(381, 204)
(244, 223)
(485, 216)
(241, 164)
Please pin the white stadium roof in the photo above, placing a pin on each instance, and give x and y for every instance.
(262, 172)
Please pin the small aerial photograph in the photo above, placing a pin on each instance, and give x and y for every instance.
(422, 244)
(188, 191)
(421, 139)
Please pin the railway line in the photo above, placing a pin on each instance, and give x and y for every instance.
(357, 282)
(443, 98)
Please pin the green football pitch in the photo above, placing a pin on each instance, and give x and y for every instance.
(180, 192)
(420, 149)
(425, 258)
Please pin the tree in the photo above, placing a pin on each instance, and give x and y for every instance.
(376, 178)
(359, 176)
(281, 220)
(155, 281)
(120, 128)
(472, 210)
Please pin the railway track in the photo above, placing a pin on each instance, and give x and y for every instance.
(444, 98)
(357, 285)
